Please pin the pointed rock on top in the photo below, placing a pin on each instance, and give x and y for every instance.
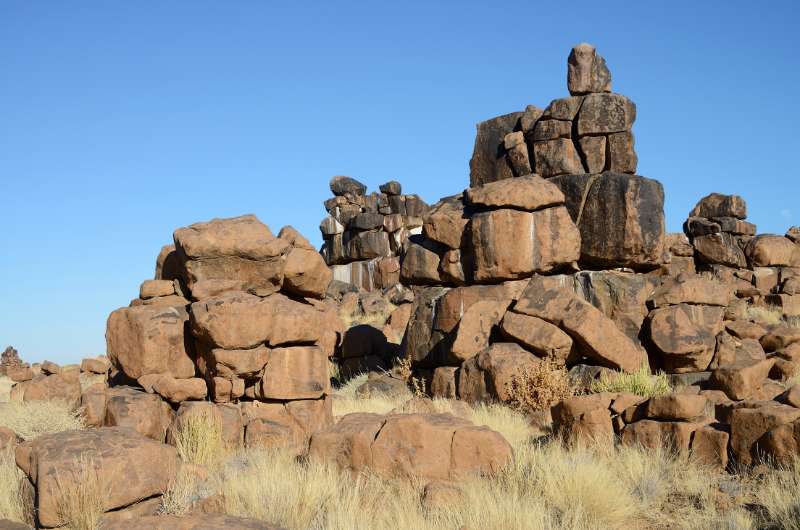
(587, 71)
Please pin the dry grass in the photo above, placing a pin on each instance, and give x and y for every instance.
(199, 439)
(183, 491)
(5, 389)
(32, 419)
(82, 496)
(778, 495)
(14, 503)
(765, 315)
(641, 382)
(540, 386)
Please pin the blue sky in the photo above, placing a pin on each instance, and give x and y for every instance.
(122, 121)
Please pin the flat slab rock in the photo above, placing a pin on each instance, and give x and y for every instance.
(129, 466)
(432, 446)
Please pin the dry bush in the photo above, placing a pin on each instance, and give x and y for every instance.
(186, 488)
(15, 504)
(199, 439)
(81, 496)
(35, 418)
(540, 386)
(641, 382)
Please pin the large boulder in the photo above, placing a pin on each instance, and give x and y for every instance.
(143, 413)
(238, 248)
(769, 250)
(685, 335)
(620, 218)
(489, 375)
(595, 335)
(128, 468)
(748, 425)
(605, 114)
(239, 320)
(445, 222)
(426, 446)
(145, 340)
(510, 244)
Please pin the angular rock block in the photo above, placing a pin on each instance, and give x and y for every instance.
(620, 218)
(587, 71)
(489, 162)
(511, 244)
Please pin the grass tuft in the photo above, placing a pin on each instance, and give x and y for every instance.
(641, 382)
(199, 438)
(81, 496)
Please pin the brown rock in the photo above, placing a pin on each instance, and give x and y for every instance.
(685, 336)
(584, 419)
(719, 249)
(769, 250)
(676, 406)
(475, 327)
(19, 374)
(305, 273)
(168, 265)
(593, 153)
(178, 390)
(96, 365)
(529, 193)
(750, 424)
(621, 154)
(8, 439)
(240, 321)
(129, 467)
(745, 330)
(517, 152)
(691, 289)
(556, 157)
(719, 205)
(563, 108)
(593, 332)
(781, 444)
(50, 368)
(489, 162)
(149, 340)
(551, 130)
(587, 71)
(543, 240)
(228, 417)
(710, 447)
(678, 245)
(537, 335)
(144, 413)
(239, 248)
(444, 382)
(742, 382)
(605, 113)
(780, 337)
(488, 376)
(620, 218)
(419, 266)
(432, 446)
(673, 435)
(154, 288)
(299, 372)
(58, 387)
(445, 221)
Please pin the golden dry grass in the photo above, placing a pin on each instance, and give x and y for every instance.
(81, 496)
(15, 505)
(641, 382)
(199, 439)
(764, 315)
(35, 418)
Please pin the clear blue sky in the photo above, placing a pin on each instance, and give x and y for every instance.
(120, 121)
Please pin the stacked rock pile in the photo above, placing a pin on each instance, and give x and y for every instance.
(364, 233)
(10, 361)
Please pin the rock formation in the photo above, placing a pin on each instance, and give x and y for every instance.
(364, 234)
(10, 361)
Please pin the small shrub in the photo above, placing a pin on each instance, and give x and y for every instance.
(199, 439)
(641, 382)
(181, 493)
(81, 496)
(540, 386)
(14, 503)
(35, 418)
(765, 315)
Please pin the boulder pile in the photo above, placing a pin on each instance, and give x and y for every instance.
(364, 233)
(234, 314)
(10, 361)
